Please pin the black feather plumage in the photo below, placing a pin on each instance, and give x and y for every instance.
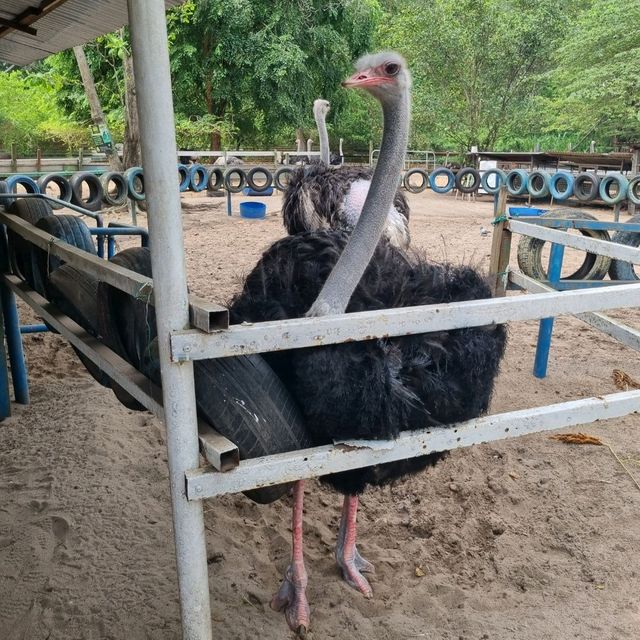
(315, 195)
(377, 388)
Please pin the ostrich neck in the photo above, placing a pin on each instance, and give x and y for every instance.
(345, 276)
(324, 138)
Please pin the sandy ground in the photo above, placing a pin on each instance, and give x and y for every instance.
(528, 539)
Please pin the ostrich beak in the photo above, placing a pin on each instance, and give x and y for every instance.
(363, 79)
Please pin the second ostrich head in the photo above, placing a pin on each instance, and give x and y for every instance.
(320, 110)
(386, 77)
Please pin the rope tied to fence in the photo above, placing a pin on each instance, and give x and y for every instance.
(499, 219)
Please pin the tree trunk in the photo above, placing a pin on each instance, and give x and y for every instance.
(131, 152)
(97, 115)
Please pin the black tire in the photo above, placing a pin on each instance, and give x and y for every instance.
(75, 293)
(244, 400)
(586, 186)
(277, 178)
(411, 188)
(626, 270)
(122, 190)
(216, 179)
(267, 181)
(68, 228)
(227, 180)
(127, 326)
(94, 202)
(460, 180)
(61, 182)
(20, 250)
(594, 267)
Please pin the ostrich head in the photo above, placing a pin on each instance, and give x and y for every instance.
(384, 75)
(321, 108)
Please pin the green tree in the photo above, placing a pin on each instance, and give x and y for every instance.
(258, 66)
(596, 80)
(476, 63)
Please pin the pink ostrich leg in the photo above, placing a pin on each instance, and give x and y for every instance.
(291, 597)
(353, 565)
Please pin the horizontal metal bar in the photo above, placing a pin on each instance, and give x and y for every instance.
(319, 461)
(368, 325)
(219, 451)
(136, 285)
(47, 197)
(33, 328)
(570, 285)
(207, 316)
(601, 247)
(617, 330)
(560, 223)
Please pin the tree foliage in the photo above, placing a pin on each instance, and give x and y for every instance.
(491, 73)
(596, 79)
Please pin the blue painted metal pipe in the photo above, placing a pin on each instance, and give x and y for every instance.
(546, 324)
(14, 344)
(5, 399)
(229, 203)
(33, 328)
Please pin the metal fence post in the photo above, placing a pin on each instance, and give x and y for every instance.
(157, 128)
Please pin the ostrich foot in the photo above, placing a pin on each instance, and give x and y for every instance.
(353, 565)
(292, 599)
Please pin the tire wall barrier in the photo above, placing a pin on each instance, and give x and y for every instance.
(93, 202)
(64, 187)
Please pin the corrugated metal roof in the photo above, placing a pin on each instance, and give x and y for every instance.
(615, 159)
(68, 23)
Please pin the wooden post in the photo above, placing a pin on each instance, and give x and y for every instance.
(500, 247)
(97, 115)
(38, 159)
(14, 157)
(80, 158)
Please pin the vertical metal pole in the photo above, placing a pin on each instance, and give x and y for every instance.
(229, 212)
(546, 325)
(5, 400)
(14, 345)
(157, 129)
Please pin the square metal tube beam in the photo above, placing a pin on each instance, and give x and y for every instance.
(368, 325)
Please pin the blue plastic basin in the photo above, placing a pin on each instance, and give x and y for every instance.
(253, 210)
(525, 211)
(250, 192)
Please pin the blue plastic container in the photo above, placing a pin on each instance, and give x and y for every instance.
(515, 212)
(253, 210)
(247, 191)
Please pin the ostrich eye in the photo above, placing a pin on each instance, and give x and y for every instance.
(392, 69)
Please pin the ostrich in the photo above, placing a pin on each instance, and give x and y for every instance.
(320, 196)
(372, 389)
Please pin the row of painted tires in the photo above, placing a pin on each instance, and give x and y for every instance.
(585, 187)
(113, 188)
(128, 327)
(593, 267)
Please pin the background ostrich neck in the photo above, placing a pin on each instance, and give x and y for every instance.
(323, 136)
(345, 276)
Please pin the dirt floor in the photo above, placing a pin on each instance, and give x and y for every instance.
(529, 539)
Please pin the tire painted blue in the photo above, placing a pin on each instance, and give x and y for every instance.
(184, 177)
(606, 183)
(485, 181)
(517, 182)
(633, 190)
(130, 176)
(12, 183)
(561, 185)
(198, 177)
(538, 184)
(442, 171)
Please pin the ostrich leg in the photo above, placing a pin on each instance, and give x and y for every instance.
(291, 597)
(353, 565)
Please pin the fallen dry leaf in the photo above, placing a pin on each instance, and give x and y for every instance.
(420, 572)
(513, 475)
(624, 381)
(576, 438)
